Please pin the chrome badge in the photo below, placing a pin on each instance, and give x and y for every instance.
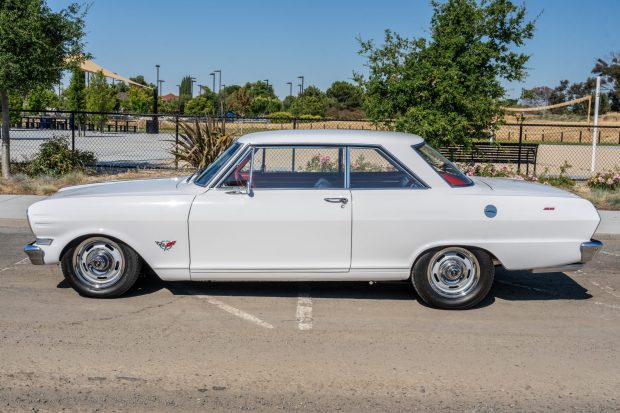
(165, 245)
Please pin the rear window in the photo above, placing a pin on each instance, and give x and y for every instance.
(446, 169)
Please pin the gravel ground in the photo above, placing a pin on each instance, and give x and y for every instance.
(538, 343)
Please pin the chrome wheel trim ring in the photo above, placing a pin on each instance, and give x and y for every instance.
(453, 272)
(98, 262)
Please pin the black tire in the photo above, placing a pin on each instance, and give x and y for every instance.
(454, 278)
(123, 262)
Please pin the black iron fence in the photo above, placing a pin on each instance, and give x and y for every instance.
(124, 140)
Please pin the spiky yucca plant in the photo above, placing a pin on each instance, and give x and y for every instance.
(200, 143)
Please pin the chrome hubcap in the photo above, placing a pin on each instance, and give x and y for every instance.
(453, 272)
(98, 262)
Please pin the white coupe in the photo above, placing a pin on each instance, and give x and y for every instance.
(315, 206)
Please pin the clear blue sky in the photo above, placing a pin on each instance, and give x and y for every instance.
(279, 40)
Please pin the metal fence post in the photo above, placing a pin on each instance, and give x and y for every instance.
(176, 143)
(72, 124)
(295, 123)
(520, 145)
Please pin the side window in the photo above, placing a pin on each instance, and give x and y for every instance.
(291, 168)
(372, 169)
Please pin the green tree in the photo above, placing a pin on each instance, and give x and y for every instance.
(240, 101)
(42, 98)
(185, 92)
(260, 88)
(609, 69)
(311, 102)
(139, 100)
(100, 97)
(346, 95)
(35, 45)
(200, 106)
(448, 88)
(263, 105)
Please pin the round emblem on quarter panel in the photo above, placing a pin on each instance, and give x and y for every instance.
(490, 211)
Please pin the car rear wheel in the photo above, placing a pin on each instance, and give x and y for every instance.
(101, 267)
(453, 277)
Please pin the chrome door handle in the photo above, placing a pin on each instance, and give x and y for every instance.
(342, 201)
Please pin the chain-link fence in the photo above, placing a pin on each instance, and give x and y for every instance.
(120, 140)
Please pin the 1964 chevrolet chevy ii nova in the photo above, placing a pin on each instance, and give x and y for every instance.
(315, 205)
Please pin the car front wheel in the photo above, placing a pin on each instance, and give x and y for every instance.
(100, 267)
(453, 277)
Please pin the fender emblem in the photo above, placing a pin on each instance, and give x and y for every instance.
(165, 245)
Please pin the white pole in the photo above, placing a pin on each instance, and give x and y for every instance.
(597, 97)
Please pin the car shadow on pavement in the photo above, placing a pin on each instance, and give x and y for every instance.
(508, 285)
(526, 286)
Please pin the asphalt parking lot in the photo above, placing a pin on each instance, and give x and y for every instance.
(538, 343)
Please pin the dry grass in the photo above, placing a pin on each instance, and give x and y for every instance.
(46, 185)
(602, 199)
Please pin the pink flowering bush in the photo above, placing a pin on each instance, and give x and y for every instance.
(609, 180)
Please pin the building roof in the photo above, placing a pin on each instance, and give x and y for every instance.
(169, 97)
(330, 136)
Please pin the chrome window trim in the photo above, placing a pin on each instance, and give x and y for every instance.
(416, 148)
(223, 169)
(218, 179)
(392, 158)
(253, 148)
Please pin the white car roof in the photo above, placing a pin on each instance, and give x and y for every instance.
(330, 136)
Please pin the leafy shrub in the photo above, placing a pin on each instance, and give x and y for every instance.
(609, 180)
(200, 143)
(490, 170)
(280, 117)
(310, 118)
(56, 158)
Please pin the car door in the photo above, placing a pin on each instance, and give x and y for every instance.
(388, 209)
(279, 210)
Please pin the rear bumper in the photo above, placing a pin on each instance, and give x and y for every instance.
(588, 252)
(35, 253)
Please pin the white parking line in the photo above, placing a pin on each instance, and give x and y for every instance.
(304, 311)
(615, 307)
(232, 310)
(10, 267)
(610, 253)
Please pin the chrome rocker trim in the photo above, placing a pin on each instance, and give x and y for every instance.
(35, 253)
(588, 252)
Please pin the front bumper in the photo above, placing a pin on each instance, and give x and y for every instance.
(588, 252)
(35, 253)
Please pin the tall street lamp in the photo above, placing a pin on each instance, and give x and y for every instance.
(212, 74)
(290, 88)
(300, 86)
(219, 90)
(192, 81)
(160, 84)
(267, 81)
(302, 83)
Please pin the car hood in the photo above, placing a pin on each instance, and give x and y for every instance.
(504, 186)
(142, 187)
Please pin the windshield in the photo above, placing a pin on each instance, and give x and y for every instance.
(210, 171)
(446, 169)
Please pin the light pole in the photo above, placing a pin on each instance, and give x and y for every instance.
(219, 73)
(212, 74)
(290, 88)
(219, 90)
(192, 81)
(200, 89)
(179, 98)
(160, 84)
(157, 67)
(302, 83)
(267, 81)
(299, 84)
